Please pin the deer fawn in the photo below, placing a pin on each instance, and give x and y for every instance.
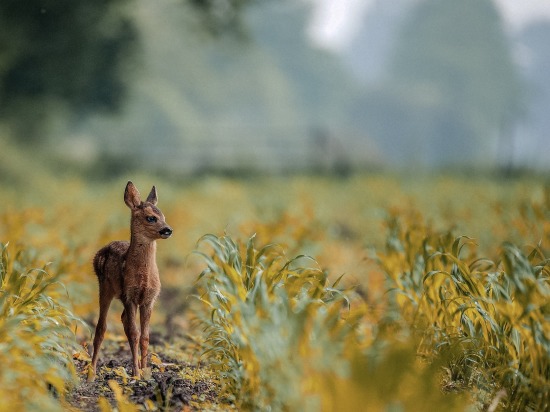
(128, 271)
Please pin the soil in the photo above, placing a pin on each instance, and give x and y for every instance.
(170, 384)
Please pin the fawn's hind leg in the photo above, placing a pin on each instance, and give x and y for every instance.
(132, 333)
(105, 300)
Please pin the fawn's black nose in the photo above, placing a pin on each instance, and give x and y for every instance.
(166, 232)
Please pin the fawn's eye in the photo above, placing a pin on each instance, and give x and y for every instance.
(151, 219)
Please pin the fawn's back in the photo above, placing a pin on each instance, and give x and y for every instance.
(109, 262)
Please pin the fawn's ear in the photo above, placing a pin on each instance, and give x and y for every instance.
(131, 196)
(152, 198)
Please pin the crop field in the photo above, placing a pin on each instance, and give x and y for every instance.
(370, 293)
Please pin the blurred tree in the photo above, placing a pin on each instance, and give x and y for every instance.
(370, 49)
(229, 101)
(318, 79)
(221, 16)
(75, 57)
(61, 55)
(535, 41)
(451, 87)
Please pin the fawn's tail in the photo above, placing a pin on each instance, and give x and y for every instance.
(100, 259)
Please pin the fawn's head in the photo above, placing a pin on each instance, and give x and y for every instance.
(147, 219)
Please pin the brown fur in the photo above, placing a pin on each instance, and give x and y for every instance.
(128, 271)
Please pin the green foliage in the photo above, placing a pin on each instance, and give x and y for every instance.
(209, 114)
(488, 320)
(63, 54)
(285, 339)
(222, 16)
(67, 59)
(429, 313)
(273, 325)
(36, 336)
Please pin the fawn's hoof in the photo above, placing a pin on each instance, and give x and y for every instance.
(136, 374)
(91, 374)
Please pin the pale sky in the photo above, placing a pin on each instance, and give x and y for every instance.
(335, 22)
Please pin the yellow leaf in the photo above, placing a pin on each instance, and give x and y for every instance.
(104, 405)
(121, 371)
(150, 405)
(82, 355)
(57, 382)
(123, 404)
(155, 360)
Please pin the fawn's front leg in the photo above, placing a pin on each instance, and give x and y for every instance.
(132, 333)
(144, 318)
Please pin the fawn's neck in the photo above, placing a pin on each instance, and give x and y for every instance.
(142, 255)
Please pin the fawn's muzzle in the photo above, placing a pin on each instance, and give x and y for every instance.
(165, 233)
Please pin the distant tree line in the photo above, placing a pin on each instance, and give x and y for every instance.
(450, 90)
(451, 86)
(73, 56)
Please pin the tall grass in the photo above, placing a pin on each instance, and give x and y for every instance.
(433, 311)
(453, 328)
(36, 335)
(274, 324)
(490, 320)
(285, 338)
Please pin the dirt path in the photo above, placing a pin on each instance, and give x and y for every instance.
(173, 383)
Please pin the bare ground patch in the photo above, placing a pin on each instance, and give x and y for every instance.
(173, 382)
